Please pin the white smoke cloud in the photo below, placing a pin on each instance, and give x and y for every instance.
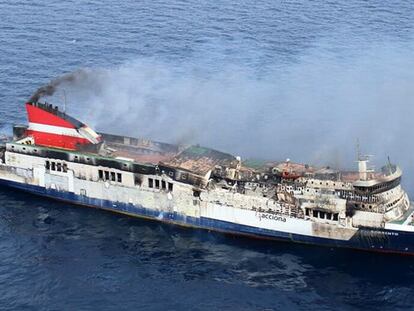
(313, 110)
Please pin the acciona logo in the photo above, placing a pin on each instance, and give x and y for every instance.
(271, 217)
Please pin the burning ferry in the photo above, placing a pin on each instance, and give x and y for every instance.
(59, 157)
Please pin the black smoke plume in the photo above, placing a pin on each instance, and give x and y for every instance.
(312, 111)
(50, 88)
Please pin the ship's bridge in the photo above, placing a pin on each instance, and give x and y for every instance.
(389, 178)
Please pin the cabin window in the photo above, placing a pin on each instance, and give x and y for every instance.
(335, 216)
(59, 167)
(163, 185)
(101, 174)
(113, 176)
(137, 179)
(184, 176)
(106, 175)
(150, 182)
(171, 174)
(119, 177)
(47, 165)
(307, 210)
(53, 166)
(157, 184)
(315, 213)
(170, 187)
(322, 215)
(65, 167)
(196, 193)
(329, 216)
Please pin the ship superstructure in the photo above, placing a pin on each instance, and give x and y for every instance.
(60, 157)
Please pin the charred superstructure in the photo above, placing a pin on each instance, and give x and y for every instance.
(60, 157)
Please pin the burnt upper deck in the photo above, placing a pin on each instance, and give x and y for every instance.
(195, 159)
(200, 160)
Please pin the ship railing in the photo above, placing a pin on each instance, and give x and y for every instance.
(353, 197)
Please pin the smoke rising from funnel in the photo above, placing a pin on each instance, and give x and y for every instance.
(50, 88)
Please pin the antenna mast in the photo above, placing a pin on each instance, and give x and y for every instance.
(358, 150)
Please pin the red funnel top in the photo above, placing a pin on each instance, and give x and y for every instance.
(50, 127)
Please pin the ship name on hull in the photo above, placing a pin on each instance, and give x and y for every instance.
(270, 217)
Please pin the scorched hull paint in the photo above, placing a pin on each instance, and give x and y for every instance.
(366, 239)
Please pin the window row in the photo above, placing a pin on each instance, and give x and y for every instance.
(321, 214)
(56, 166)
(159, 184)
(110, 176)
(328, 183)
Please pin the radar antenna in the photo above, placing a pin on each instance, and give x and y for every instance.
(389, 165)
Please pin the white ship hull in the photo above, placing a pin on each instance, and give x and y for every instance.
(184, 210)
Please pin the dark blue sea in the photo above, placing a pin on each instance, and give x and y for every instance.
(304, 80)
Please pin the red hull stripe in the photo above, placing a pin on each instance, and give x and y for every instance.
(56, 140)
(38, 115)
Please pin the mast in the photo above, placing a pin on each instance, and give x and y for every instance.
(363, 161)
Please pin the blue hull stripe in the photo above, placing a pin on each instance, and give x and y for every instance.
(365, 238)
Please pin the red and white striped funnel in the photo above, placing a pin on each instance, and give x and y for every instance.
(50, 127)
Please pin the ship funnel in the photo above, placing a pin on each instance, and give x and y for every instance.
(50, 127)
